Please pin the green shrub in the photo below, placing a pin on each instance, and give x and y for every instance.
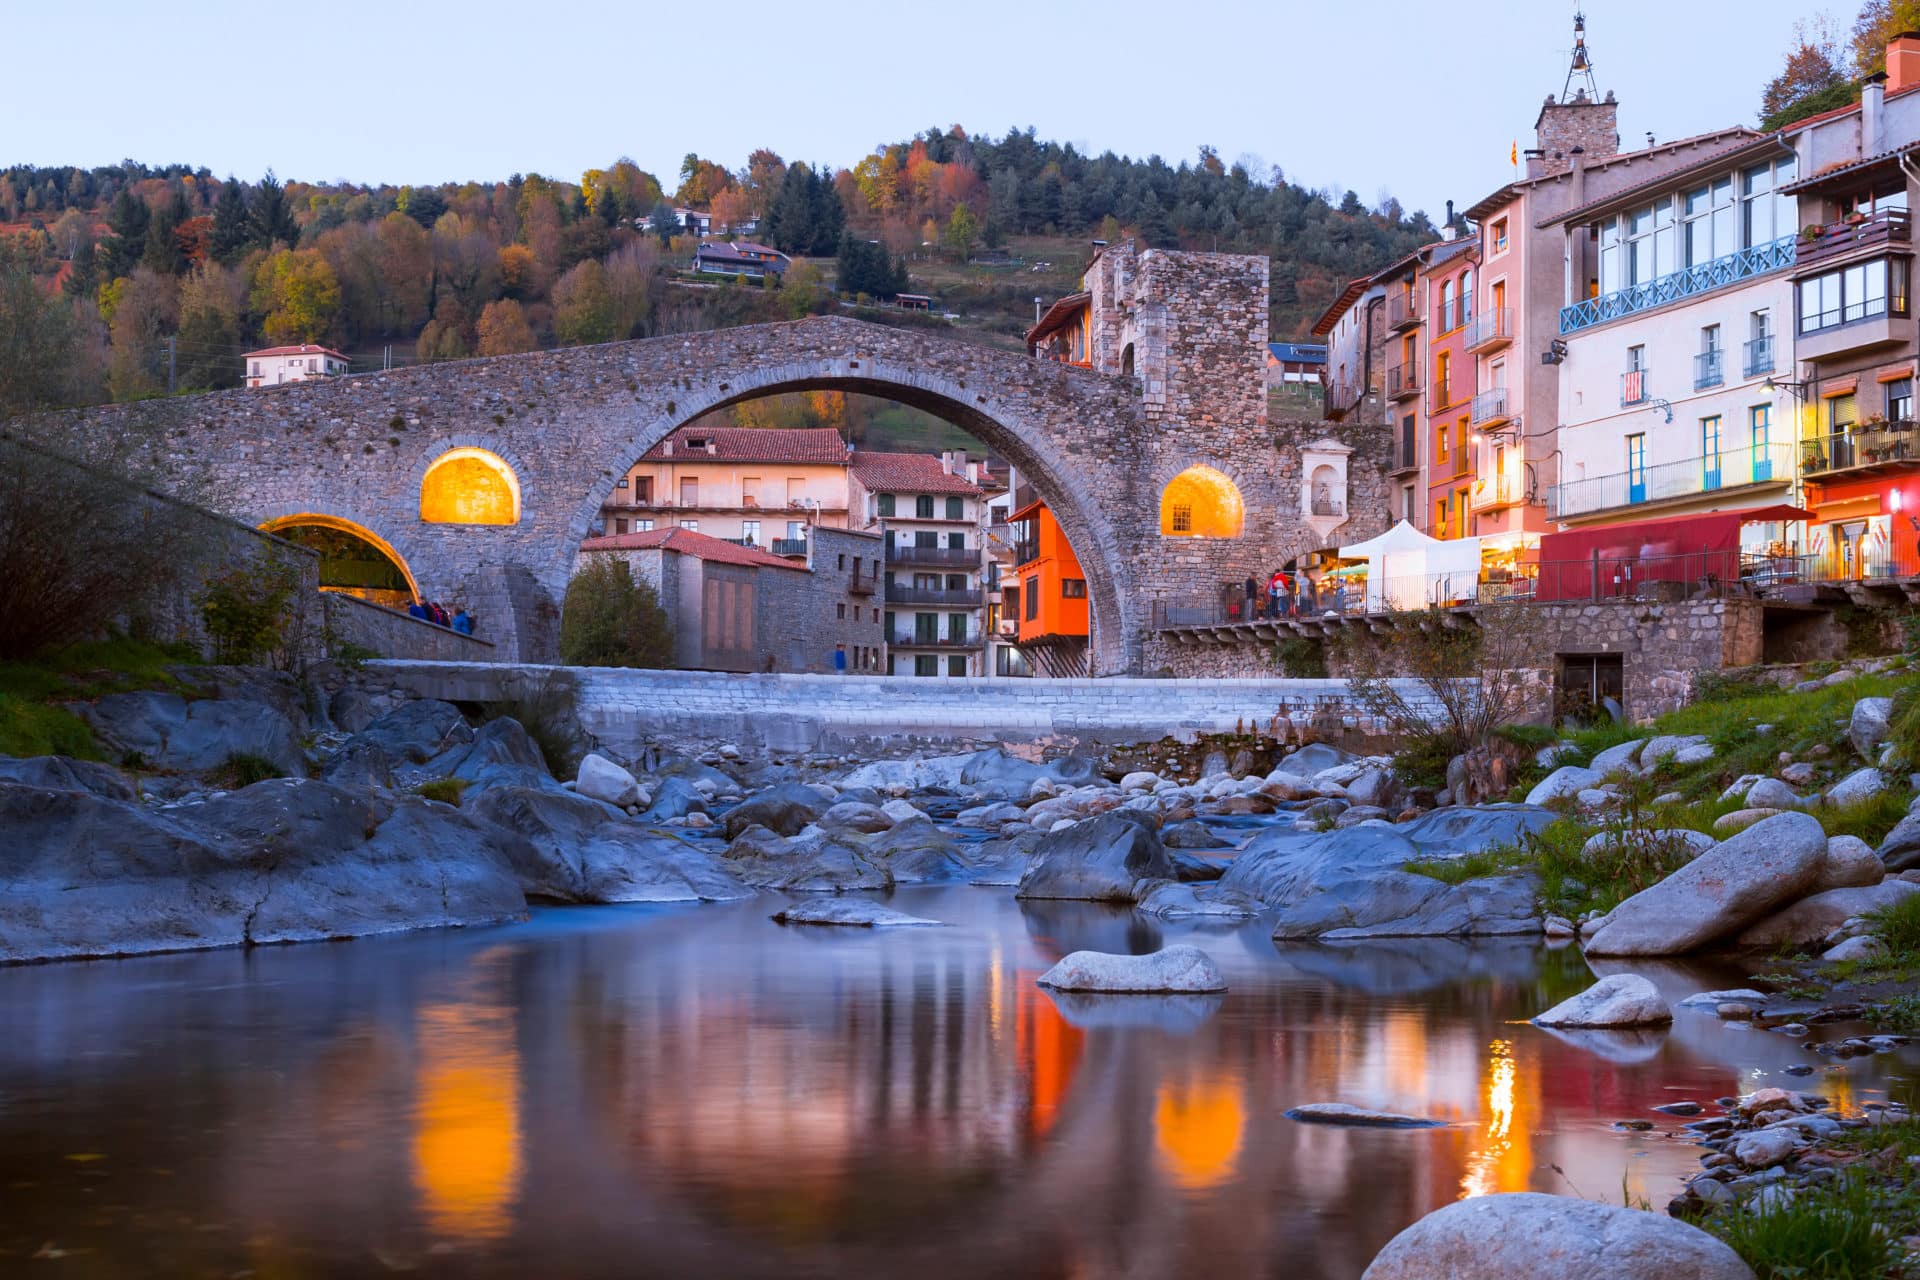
(611, 620)
(243, 770)
(548, 708)
(244, 609)
(1300, 658)
(1422, 762)
(1903, 724)
(1898, 926)
(29, 727)
(1825, 1231)
(445, 790)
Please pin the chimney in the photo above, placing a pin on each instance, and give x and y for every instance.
(1873, 105)
(666, 448)
(1903, 61)
(973, 473)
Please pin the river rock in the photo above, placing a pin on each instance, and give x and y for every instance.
(1620, 1000)
(995, 772)
(601, 779)
(1140, 780)
(1867, 726)
(350, 710)
(1373, 788)
(1190, 835)
(1861, 784)
(1720, 892)
(171, 734)
(1713, 999)
(812, 862)
(58, 773)
(783, 810)
(902, 810)
(1170, 970)
(1564, 783)
(1812, 918)
(1863, 947)
(1851, 864)
(1617, 760)
(1099, 859)
(1545, 1237)
(415, 732)
(673, 798)
(1680, 749)
(1740, 819)
(851, 815)
(1343, 1113)
(1771, 793)
(360, 763)
(916, 852)
(502, 754)
(1765, 1148)
(578, 849)
(855, 912)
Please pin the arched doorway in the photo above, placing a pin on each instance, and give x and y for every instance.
(1201, 502)
(354, 560)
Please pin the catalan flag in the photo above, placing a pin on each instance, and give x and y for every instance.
(1513, 153)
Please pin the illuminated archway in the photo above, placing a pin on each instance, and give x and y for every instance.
(470, 486)
(341, 571)
(1201, 503)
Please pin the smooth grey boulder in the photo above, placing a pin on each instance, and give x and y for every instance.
(1814, 917)
(501, 755)
(350, 710)
(1173, 900)
(1689, 748)
(900, 810)
(812, 862)
(577, 849)
(1719, 893)
(1374, 787)
(1400, 904)
(1192, 866)
(415, 732)
(1771, 793)
(1174, 970)
(914, 852)
(1617, 759)
(1343, 1113)
(361, 763)
(1851, 864)
(994, 772)
(673, 798)
(849, 912)
(852, 815)
(1316, 757)
(1543, 1237)
(285, 860)
(1867, 727)
(59, 773)
(1861, 784)
(1564, 783)
(1191, 835)
(1099, 859)
(168, 733)
(1618, 1000)
(601, 779)
(784, 810)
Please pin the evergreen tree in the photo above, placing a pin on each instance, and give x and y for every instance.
(162, 251)
(209, 352)
(790, 218)
(272, 217)
(231, 229)
(665, 223)
(828, 216)
(127, 223)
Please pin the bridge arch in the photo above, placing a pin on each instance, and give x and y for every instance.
(339, 524)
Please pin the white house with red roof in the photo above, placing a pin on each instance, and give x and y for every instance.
(271, 366)
(931, 513)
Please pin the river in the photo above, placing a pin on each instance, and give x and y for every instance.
(694, 1090)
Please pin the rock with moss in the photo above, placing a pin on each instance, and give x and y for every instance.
(1813, 917)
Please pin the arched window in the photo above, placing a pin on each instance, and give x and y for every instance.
(470, 486)
(354, 559)
(1126, 360)
(1201, 503)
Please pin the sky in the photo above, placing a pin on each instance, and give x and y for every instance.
(1419, 100)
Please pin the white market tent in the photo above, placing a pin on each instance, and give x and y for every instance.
(1408, 570)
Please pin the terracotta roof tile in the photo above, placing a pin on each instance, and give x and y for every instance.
(821, 445)
(690, 542)
(908, 473)
(295, 351)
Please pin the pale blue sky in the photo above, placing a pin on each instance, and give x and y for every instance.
(1419, 99)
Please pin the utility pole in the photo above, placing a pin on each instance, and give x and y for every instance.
(170, 366)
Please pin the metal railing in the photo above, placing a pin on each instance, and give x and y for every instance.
(913, 640)
(1862, 445)
(1706, 370)
(1490, 328)
(1490, 406)
(953, 557)
(964, 597)
(1403, 309)
(1776, 255)
(1403, 380)
(1759, 356)
(1025, 552)
(1703, 474)
(790, 546)
(1850, 235)
(1497, 491)
(1406, 452)
(1633, 388)
(1341, 399)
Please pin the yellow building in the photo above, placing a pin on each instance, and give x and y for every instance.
(755, 486)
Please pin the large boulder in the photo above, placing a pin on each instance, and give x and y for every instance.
(855, 815)
(814, 861)
(1771, 793)
(58, 773)
(915, 851)
(360, 763)
(502, 754)
(1675, 748)
(1316, 757)
(1861, 784)
(673, 798)
(1619, 1000)
(1545, 1237)
(784, 810)
(415, 732)
(601, 779)
(1720, 892)
(1814, 917)
(281, 861)
(994, 772)
(1617, 760)
(1851, 864)
(577, 849)
(165, 731)
(1564, 783)
(1172, 970)
(1099, 859)
(1867, 726)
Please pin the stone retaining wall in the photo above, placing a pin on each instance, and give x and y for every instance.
(398, 635)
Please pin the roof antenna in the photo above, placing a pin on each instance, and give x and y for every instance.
(1582, 66)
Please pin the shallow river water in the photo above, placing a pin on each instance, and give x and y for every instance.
(696, 1091)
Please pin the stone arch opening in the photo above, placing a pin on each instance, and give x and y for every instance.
(468, 485)
(1126, 360)
(354, 560)
(1201, 502)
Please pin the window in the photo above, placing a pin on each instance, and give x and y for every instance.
(1706, 366)
(1440, 442)
(643, 526)
(621, 483)
(643, 491)
(796, 529)
(256, 368)
(926, 664)
(956, 542)
(750, 491)
(1637, 467)
(1033, 599)
(840, 562)
(923, 507)
(885, 503)
(1440, 518)
(956, 582)
(1442, 370)
(1500, 235)
(1409, 505)
(689, 492)
(1765, 213)
(1446, 305)
(840, 611)
(1636, 359)
(1759, 424)
(956, 665)
(1710, 452)
(1465, 303)
(956, 509)
(692, 525)
(1073, 588)
(750, 530)
(619, 525)
(1183, 517)
(1900, 400)
(1852, 293)
(1460, 513)
(1709, 223)
(957, 627)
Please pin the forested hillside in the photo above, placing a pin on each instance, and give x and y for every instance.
(124, 280)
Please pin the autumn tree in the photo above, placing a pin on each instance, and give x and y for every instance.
(764, 173)
(298, 293)
(1813, 80)
(962, 229)
(700, 181)
(582, 306)
(1879, 22)
(144, 313)
(503, 329)
(516, 270)
(41, 339)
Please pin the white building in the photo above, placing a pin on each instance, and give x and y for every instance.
(271, 366)
(932, 515)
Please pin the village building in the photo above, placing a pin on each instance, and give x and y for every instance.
(1355, 331)
(931, 514)
(271, 366)
(757, 487)
(740, 258)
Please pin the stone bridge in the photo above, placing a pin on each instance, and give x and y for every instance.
(1099, 447)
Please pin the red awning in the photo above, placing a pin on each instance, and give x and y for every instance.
(1681, 548)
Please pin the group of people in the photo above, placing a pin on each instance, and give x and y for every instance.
(428, 611)
(1286, 595)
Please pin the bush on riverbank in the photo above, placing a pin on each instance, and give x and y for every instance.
(1846, 1228)
(33, 718)
(612, 619)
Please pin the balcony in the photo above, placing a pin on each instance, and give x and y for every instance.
(1848, 237)
(914, 640)
(1403, 381)
(1403, 311)
(941, 557)
(1776, 255)
(1707, 370)
(790, 547)
(1669, 482)
(953, 597)
(858, 586)
(1490, 408)
(1406, 454)
(1857, 336)
(1495, 492)
(1860, 450)
(1759, 357)
(1633, 388)
(1490, 330)
(1342, 397)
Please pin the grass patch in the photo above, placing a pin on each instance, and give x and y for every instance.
(1898, 926)
(243, 770)
(1498, 860)
(445, 790)
(32, 723)
(30, 727)
(1870, 819)
(1572, 881)
(1901, 1015)
(1827, 1231)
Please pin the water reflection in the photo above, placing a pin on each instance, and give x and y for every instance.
(672, 1091)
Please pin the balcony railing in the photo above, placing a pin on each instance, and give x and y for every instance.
(1706, 370)
(1859, 448)
(1454, 314)
(1490, 407)
(1403, 310)
(1633, 388)
(1497, 491)
(1776, 255)
(1725, 470)
(858, 586)
(790, 546)
(1025, 552)
(1840, 239)
(1759, 356)
(963, 597)
(1406, 454)
(1490, 329)
(1341, 399)
(945, 557)
(1403, 381)
(914, 640)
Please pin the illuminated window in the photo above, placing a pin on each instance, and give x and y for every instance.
(470, 486)
(1210, 502)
